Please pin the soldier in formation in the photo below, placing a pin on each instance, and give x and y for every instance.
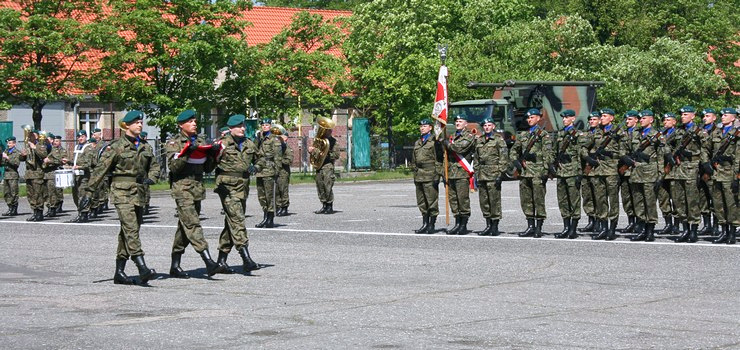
(283, 178)
(53, 162)
(37, 150)
(149, 150)
(567, 169)
(587, 186)
(11, 160)
(426, 164)
(267, 164)
(631, 119)
(492, 157)
(325, 175)
(82, 165)
(722, 168)
(460, 150)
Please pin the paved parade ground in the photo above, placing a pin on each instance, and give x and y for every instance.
(361, 279)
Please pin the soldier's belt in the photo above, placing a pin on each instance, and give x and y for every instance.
(197, 177)
(234, 174)
(127, 178)
(426, 165)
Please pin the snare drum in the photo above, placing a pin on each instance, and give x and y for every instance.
(79, 172)
(64, 178)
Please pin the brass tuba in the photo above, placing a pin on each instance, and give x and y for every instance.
(320, 143)
(26, 132)
(277, 129)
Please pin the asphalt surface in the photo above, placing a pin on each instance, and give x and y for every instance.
(361, 279)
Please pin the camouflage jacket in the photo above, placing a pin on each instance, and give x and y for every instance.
(54, 163)
(426, 160)
(726, 170)
(149, 154)
(11, 164)
(571, 164)
(491, 157)
(689, 165)
(86, 155)
(286, 157)
(542, 149)
(268, 155)
(587, 148)
(130, 166)
(233, 160)
(462, 144)
(186, 170)
(652, 170)
(629, 135)
(672, 139)
(34, 161)
(609, 158)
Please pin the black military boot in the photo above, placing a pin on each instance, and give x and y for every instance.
(642, 234)
(222, 262)
(9, 212)
(34, 216)
(329, 208)
(249, 264)
(715, 225)
(573, 232)
(604, 230)
(145, 273)
(59, 207)
(119, 277)
(668, 229)
(425, 223)
(430, 227)
(538, 228)
(175, 269)
(455, 228)
(322, 210)
(146, 209)
(211, 266)
(731, 236)
(589, 226)
(264, 220)
(630, 225)
(649, 232)
(612, 235)
(485, 230)
(693, 236)
(494, 228)
(639, 226)
(723, 236)
(684, 237)
(597, 226)
(52, 212)
(707, 228)
(529, 232)
(93, 213)
(566, 229)
(83, 217)
(270, 223)
(463, 226)
(48, 212)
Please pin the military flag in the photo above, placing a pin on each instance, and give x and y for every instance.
(439, 113)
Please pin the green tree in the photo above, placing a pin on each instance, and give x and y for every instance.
(48, 49)
(316, 4)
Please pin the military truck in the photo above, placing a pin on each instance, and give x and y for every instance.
(512, 99)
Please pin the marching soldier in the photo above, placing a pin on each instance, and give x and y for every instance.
(460, 148)
(587, 189)
(268, 153)
(492, 156)
(53, 162)
(608, 150)
(665, 202)
(723, 168)
(534, 151)
(426, 164)
(646, 152)
(36, 152)
(711, 225)
(283, 179)
(631, 118)
(685, 160)
(232, 174)
(132, 168)
(567, 169)
(188, 159)
(11, 160)
(82, 164)
(149, 150)
(325, 175)
(100, 196)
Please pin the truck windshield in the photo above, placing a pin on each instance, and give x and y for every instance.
(476, 113)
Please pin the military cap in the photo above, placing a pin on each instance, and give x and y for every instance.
(669, 115)
(235, 120)
(487, 120)
(50, 136)
(461, 117)
(426, 121)
(594, 114)
(97, 130)
(568, 113)
(92, 140)
(57, 137)
(647, 112)
(81, 132)
(223, 129)
(631, 114)
(186, 115)
(534, 111)
(266, 121)
(607, 111)
(708, 110)
(131, 116)
(144, 134)
(12, 138)
(729, 110)
(687, 109)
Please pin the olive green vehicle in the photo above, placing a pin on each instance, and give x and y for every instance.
(511, 100)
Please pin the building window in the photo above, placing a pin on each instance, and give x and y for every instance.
(88, 120)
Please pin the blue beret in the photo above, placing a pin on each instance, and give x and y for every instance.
(236, 120)
(594, 114)
(631, 114)
(687, 109)
(534, 111)
(186, 115)
(568, 113)
(461, 117)
(647, 112)
(426, 121)
(144, 134)
(487, 120)
(729, 110)
(12, 138)
(708, 110)
(266, 121)
(607, 111)
(81, 132)
(132, 116)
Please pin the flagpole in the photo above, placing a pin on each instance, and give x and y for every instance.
(443, 56)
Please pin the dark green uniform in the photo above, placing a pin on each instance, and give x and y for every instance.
(625, 189)
(665, 202)
(325, 177)
(426, 164)
(84, 159)
(587, 184)
(460, 146)
(726, 167)
(268, 162)
(35, 179)
(684, 191)
(54, 194)
(283, 179)
(533, 176)
(492, 158)
(10, 180)
(231, 178)
(567, 150)
(645, 178)
(706, 203)
(606, 185)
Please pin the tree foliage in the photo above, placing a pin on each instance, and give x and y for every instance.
(316, 4)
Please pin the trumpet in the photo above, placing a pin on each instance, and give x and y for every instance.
(277, 129)
(320, 142)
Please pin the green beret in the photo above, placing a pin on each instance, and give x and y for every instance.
(223, 129)
(12, 138)
(534, 111)
(647, 112)
(50, 136)
(97, 130)
(132, 116)
(607, 111)
(236, 120)
(729, 110)
(426, 121)
(568, 113)
(631, 114)
(460, 117)
(706, 111)
(57, 137)
(266, 121)
(81, 132)
(668, 115)
(186, 115)
(144, 134)
(594, 114)
(487, 120)
(687, 109)
(92, 140)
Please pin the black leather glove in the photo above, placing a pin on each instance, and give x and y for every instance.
(735, 186)
(190, 148)
(251, 170)
(591, 161)
(707, 168)
(658, 184)
(499, 181)
(642, 157)
(214, 151)
(149, 182)
(565, 158)
(544, 179)
(578, 181)
(626, 160)
(723, 158)
(529, 157)
(668, 159)
(551, 169)
(601, 153)
(686, 154)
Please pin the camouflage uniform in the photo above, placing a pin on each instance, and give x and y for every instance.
(492, 157)
(268, 157)
(587, 184)
(283, 180)
(606, 185)
(35, 179)
(100, 196)
(645, 178)
(726, 167)
(85, 155)
(54, 197)
(684, 189)
(462, 144)
(231, 178)
(149, 150)
(426, 164)
(325, 177)
(706, 203)
(533, 176)
(10, 180)
(625, 189)
(568, 175)
(665, 202)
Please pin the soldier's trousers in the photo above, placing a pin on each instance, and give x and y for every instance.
(189, 230)
(78, 190)
(645, 202)
(532, 197)
(664, 200)
(569, 198)
(427, 198)
(129, 243)
(265, 193)
(100, 195)
(235, 231)
(685, 197)
(283, 183)
(705, 196)
(35, 193)
(626, 192)
(587, 194)
(459, 197)
(725, 203)
(490, 199)
(52, 195)
(606, 193)
(147, 195)
(10, 191)
(325, 183)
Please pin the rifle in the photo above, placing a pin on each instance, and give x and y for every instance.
(561, 151)
(641, 148)
(519, 164)
(723, 148)
(677, 153)
(608, 139)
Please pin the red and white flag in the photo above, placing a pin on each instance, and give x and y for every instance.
(440, 102)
